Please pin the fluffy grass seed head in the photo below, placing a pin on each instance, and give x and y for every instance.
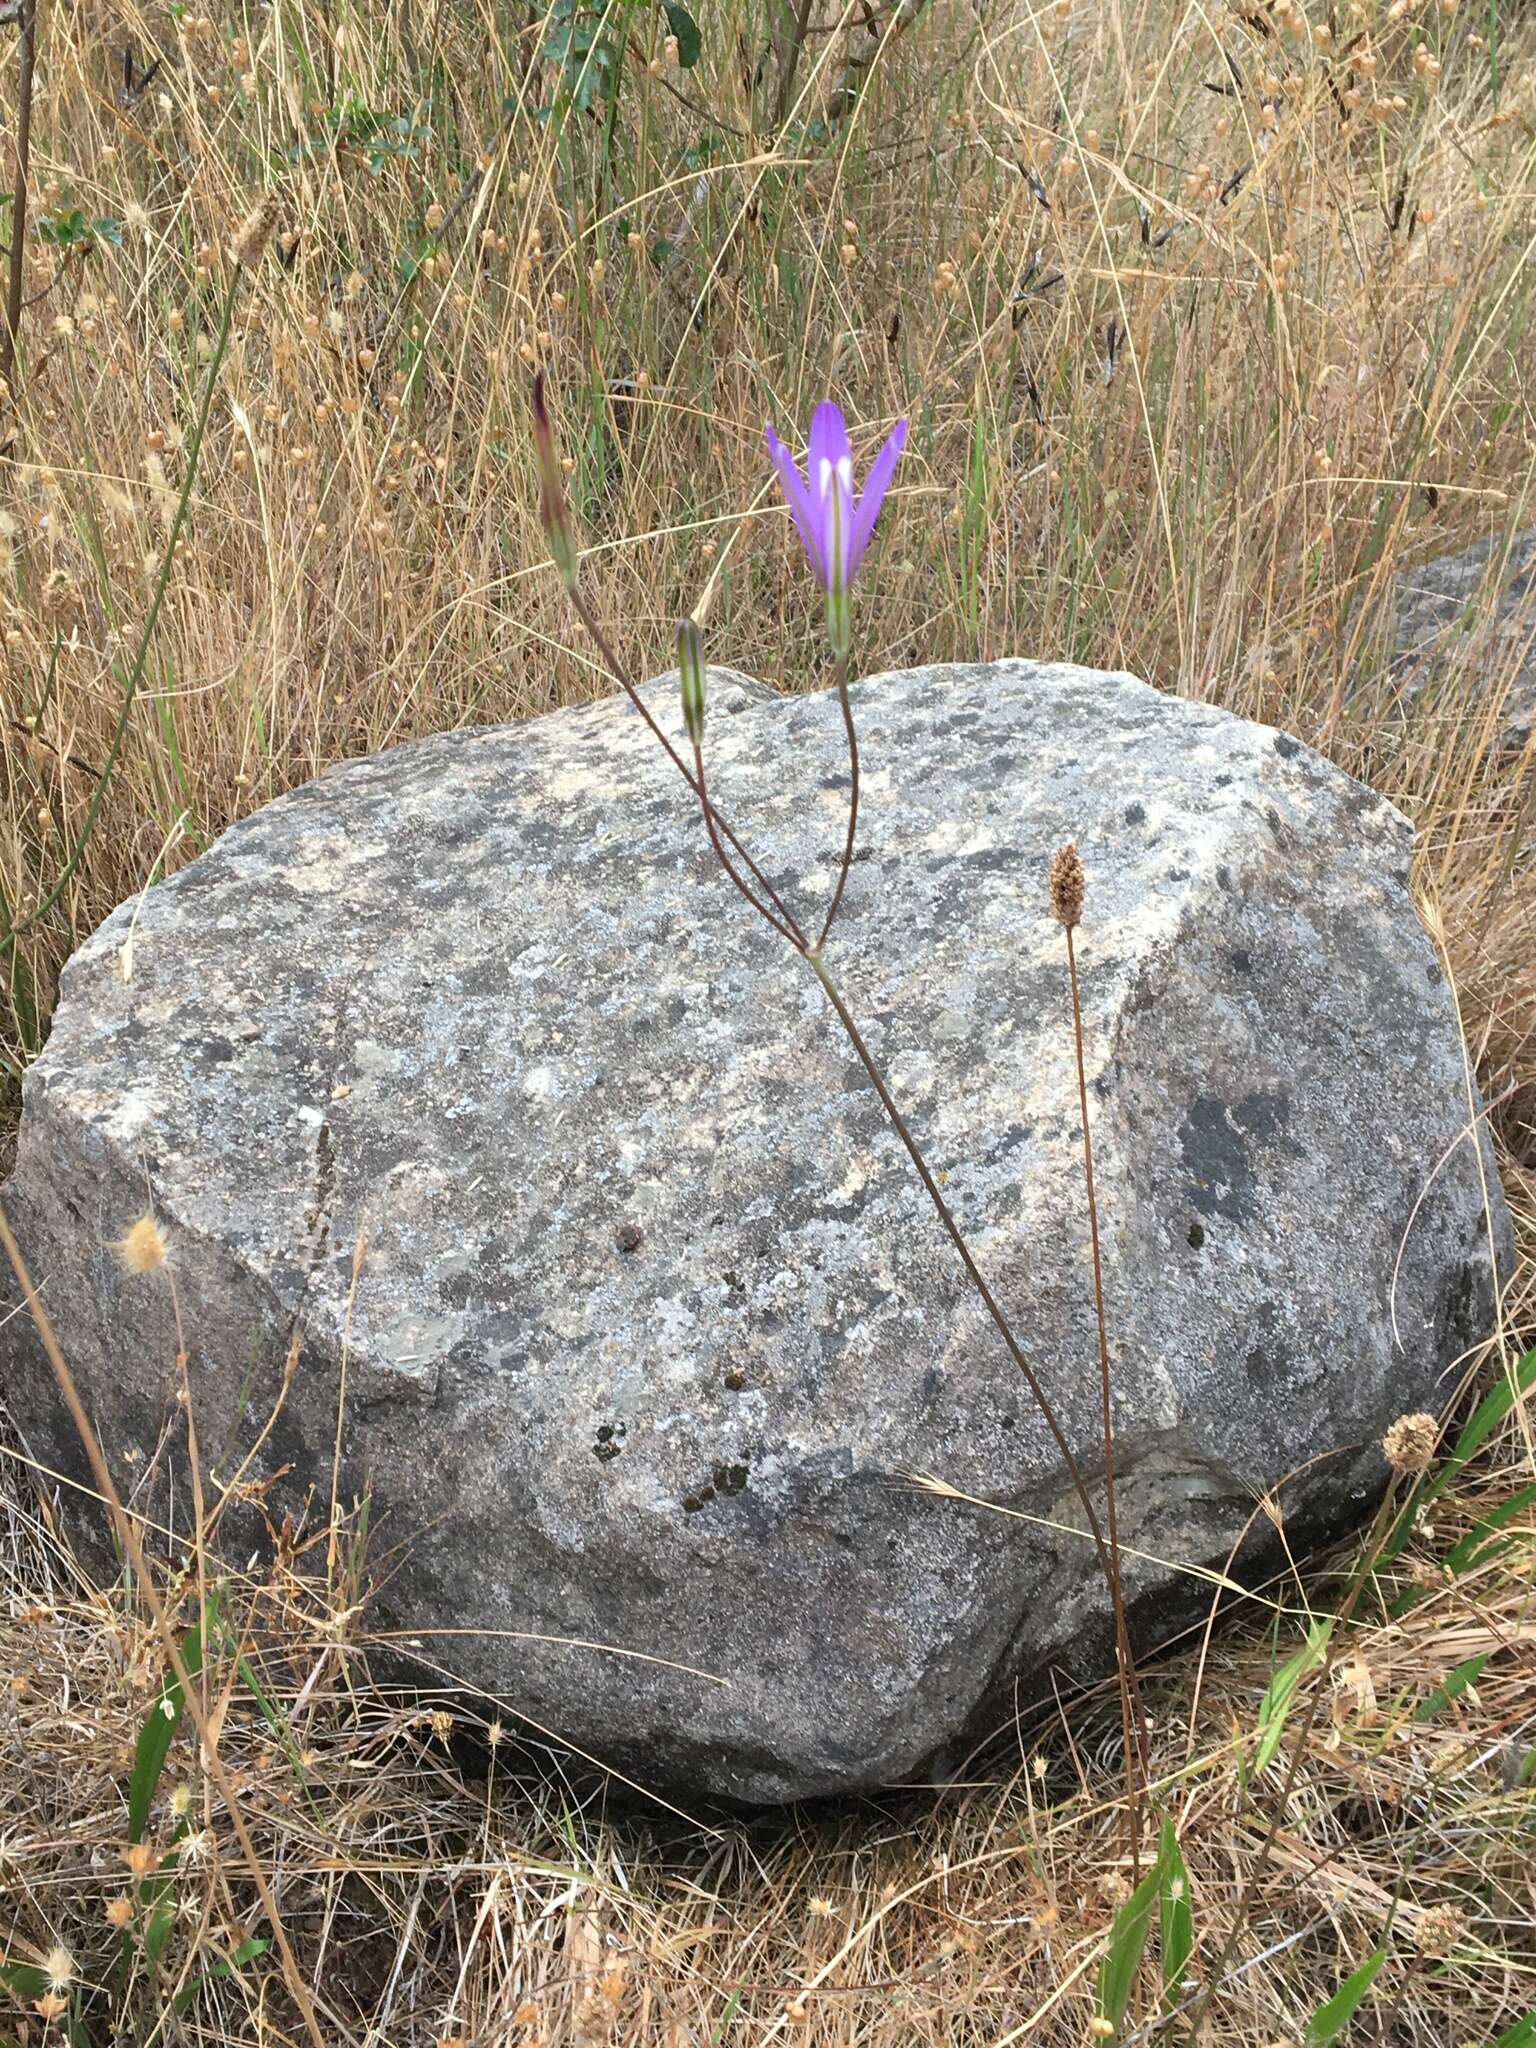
(255, 233)
(142, 1248)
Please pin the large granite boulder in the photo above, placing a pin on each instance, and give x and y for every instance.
(651, 1317)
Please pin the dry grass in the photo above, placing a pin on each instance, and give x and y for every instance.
(1162, 420)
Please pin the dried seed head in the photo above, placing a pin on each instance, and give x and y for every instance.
(1409, 1445)
(1067, 881)
(1439, 1930)
(59, 1969)
(142, 1249)
(255, 233)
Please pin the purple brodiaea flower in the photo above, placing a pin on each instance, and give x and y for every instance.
(834, 526)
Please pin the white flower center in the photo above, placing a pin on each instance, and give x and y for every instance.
(844, 472)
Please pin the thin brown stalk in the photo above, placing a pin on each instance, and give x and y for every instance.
(988, 1300)
(791, 63)
(724, 858)
(128, 1536)
(627, 684)
(26, 69)
(853, 800)
(1137, 1761)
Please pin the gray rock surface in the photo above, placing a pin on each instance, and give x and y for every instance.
(1467, 623)
(652, 1316)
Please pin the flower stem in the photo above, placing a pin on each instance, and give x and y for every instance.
(853, 799)
(1130, 1690)
(967, 1259)
(784, 920)
(711, 826)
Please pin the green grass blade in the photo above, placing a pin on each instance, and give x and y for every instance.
(1452, 1686)
(1474, 1549)
(1485, 1419)
(1122, 1958)
(1276, 1703)
(160, 1725)
(247, 1952)
(1521, 2035)
(1328, 2023)
(1176, 1926)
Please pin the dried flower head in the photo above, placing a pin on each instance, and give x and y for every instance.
(1067, 882)
(142, 1249)
(1409, 1445)
(1439, 1930)
(255, 233)
(59, 1968)
(119, 1910)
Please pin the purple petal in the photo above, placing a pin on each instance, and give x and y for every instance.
(801, 509)
(829, 444)
(876, 484)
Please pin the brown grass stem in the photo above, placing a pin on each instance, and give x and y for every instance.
(1340, 1621)
(1133, 1723)
(135, 677)
(21, 159)
(977, 1279)
(853, 801)
(784, 919)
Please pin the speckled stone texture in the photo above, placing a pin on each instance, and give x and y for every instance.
(652, 1316)
(1464, 628)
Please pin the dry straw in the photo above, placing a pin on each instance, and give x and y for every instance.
(1212, 327)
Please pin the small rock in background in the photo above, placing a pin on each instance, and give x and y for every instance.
(652, 1319)
(1466, 625)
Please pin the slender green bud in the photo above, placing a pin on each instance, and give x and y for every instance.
(552, 506)
(839, 612)
(690, 664)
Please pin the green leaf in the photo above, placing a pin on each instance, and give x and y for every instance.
(686, 29)
(1122, 1958)
(1329, 2021)
(1521, 2035)
(1471, 1551)
(1276, 1703)
(1452, 1686)
(1485, 1419)
(247, 1952)
(160, 1725)
(24, 1980)
(1176, 1925)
